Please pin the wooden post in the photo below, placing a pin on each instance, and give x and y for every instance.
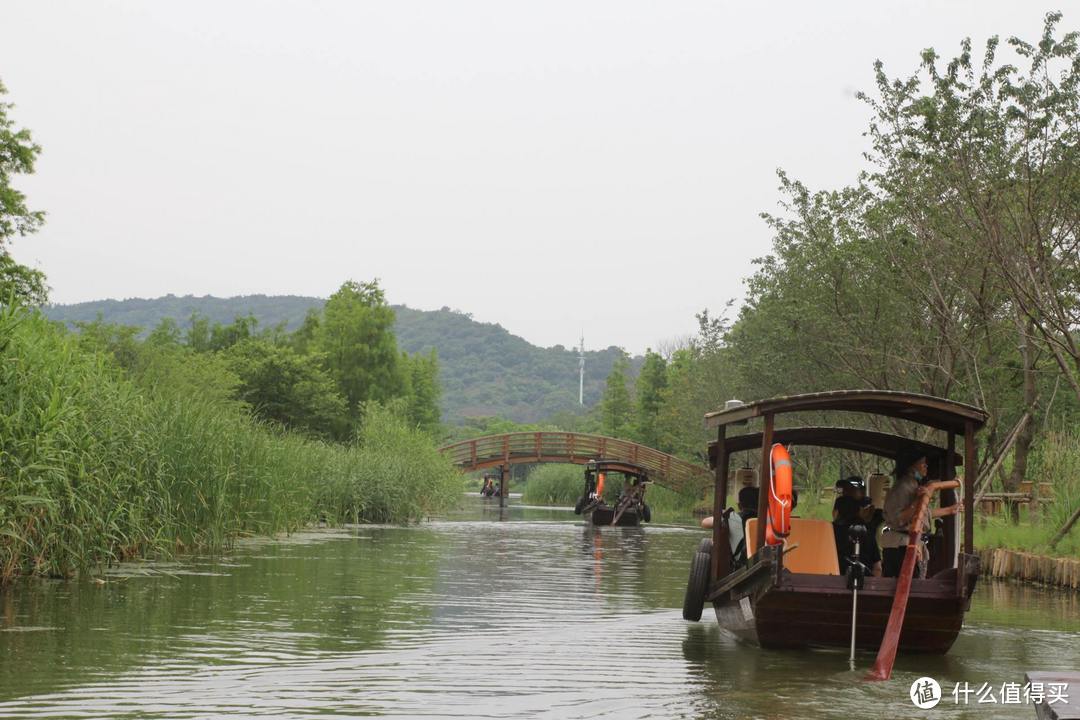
(721, 546)
(764, 480)
(504, 471)
(948, 497)
(969, 487)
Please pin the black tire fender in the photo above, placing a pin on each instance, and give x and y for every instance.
(696, 587)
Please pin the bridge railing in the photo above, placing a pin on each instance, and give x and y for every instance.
(577, 448)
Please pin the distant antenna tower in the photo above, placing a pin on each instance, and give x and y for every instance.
(581, 372)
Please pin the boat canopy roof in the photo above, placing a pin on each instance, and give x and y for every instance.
(928, 410)
(619, 466)
(864, 441)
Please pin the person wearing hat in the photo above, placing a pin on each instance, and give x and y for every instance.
(853, 487)
(900, 505)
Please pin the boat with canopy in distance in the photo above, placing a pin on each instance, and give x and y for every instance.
(789, 591)
(629, 508)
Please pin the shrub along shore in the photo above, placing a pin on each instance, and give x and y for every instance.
(95, 468)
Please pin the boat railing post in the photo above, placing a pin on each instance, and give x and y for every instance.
(969, 487)
(721, 557)
(764, 480)
(948, 497)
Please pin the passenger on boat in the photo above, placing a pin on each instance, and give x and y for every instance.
(851, 486)
(869, 554)
(748, 502)
(911, 474)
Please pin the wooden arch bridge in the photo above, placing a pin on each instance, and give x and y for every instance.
(520, 448)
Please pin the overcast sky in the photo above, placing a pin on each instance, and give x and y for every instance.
(550, 166)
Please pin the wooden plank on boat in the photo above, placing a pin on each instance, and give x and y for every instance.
(740, 577)
(1067, 710)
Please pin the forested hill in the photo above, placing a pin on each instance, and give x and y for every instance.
(484, 370)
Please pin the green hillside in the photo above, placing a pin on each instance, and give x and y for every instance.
(484, 370)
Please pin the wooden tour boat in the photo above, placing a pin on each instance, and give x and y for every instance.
(629, 509)
(791, 594)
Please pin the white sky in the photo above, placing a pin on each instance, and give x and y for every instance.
(550, 166)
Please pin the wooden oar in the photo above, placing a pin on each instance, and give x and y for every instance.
(886, 656)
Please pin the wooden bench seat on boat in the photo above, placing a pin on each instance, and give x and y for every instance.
(816, 551)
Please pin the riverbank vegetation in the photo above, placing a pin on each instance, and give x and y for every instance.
(97, 468)
(949, 267)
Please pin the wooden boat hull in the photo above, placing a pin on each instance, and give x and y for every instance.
(603, 515)
(794, 610)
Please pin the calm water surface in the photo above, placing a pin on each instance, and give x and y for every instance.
(525, 613)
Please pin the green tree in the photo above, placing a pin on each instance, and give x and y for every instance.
(305, 337)
(198, 333)
(977, 168)
(118, 341)
(616, 408)
(178, 372)
(652, 381)
(18, 152)
(286, 388)
(166, 333)
(223, 337)
(423, 390)
(356, 337)
(22, 283)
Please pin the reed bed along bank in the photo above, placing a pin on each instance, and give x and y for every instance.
(95, 469)
(563, 485)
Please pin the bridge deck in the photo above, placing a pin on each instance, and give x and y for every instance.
(578, 449)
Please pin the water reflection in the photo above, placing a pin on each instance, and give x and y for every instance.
(523, 611)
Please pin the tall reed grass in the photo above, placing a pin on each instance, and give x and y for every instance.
(554, 484)
(95, 469)
(1057, 461)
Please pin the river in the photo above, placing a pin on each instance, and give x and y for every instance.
(518, 613)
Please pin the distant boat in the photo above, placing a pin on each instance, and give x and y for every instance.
(629, 508)
(489, 488)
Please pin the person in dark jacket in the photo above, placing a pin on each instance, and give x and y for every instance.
(869, 553)
(851, 486)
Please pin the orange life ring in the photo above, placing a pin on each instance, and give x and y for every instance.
(599, 484)
(780, 477)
